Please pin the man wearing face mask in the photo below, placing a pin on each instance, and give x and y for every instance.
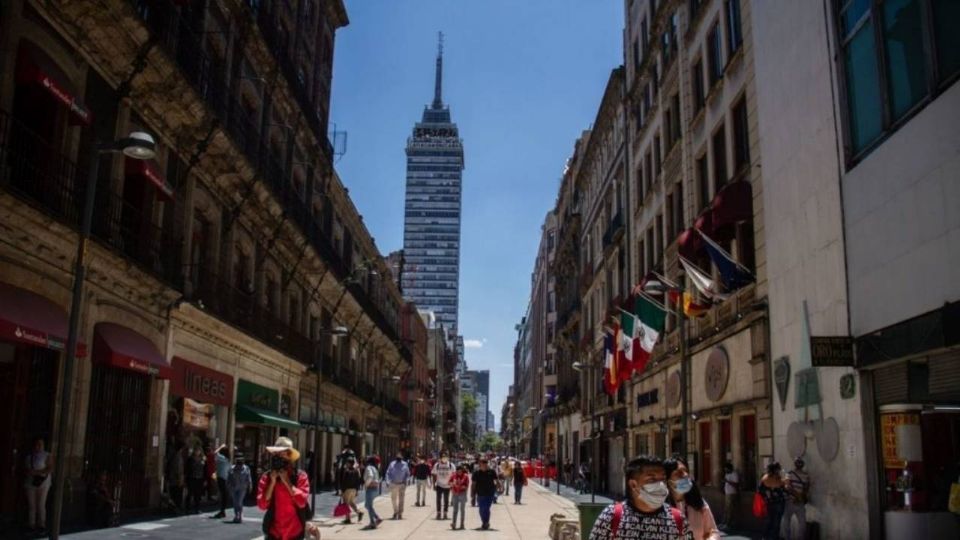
(644, 514)
(283, 493)
(442, 472)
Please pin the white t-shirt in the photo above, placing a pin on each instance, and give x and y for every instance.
(728, 487)
(443, 472)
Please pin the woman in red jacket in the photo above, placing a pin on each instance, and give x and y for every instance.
(283, 492)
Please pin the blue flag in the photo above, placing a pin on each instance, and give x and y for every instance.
(732, 274)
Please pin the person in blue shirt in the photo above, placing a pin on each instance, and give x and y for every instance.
(223, 471)
(239, 482)
(397, 475)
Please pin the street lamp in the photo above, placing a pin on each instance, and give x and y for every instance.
(137, 145)
(336, 332)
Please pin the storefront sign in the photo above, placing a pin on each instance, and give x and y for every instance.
(890, 425)
(254, 395)
(831, 351)
(201, 384)
(716, 373)
(196, 415)
(647, 398)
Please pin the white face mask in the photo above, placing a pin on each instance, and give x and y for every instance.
(653, 494)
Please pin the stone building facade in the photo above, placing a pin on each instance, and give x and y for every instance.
(218, 270)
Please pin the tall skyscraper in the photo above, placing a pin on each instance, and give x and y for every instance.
(431, 230)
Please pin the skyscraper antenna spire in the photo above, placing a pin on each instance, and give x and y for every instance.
(438, 85)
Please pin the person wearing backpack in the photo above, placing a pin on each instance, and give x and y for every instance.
(685, 496)
(283, 492)
(239, 483)
(644, 514)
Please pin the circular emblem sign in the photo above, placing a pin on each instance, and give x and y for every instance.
(717, 373)
(673, 389)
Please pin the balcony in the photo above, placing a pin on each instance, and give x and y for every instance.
(46, 178)
(185, 47)
(614, 230)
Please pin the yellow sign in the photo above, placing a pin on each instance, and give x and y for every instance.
(888, 436)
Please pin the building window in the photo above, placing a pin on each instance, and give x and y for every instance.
(674, 124)
(719, 157)
(670, 220)
(699, 94)
(636, 55)
(734, 30)
(677, 211)
(703, 182)
(659, 238)
(706, 455)
(648, 166)
(650, 249)
(644, 35)
(741, 136)
(695, 6)
(884, 85)
(641, 262)
(656, 157)
(714, 55)
(640, 182)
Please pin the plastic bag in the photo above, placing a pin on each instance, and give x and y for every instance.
(759, 505)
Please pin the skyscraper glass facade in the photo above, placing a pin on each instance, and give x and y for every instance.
(431, 233)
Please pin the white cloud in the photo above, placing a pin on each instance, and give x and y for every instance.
(474, 343)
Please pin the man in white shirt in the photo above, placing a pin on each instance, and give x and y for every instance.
(731, 487)
(442, 472)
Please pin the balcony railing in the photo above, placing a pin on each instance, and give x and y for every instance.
(41, 174)
(185, 46)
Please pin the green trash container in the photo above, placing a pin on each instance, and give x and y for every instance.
(589, 512)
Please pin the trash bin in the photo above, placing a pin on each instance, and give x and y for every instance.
(588, 515)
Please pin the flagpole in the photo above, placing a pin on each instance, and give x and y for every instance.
(684, 375)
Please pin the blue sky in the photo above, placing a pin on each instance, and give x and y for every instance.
(522, 78)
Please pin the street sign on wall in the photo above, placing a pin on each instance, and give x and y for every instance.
(826, 351)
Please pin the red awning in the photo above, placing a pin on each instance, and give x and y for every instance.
(35, 67)
(734, 203)
(149, 171)
(121, 347)
(27, 317)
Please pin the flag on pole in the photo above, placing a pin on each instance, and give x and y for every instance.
(733, 274)
(651, 316)
(610, 375)
(692, 308)
(703, 283)
(629, 344)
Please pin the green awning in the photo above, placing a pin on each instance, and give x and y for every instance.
(252, 415)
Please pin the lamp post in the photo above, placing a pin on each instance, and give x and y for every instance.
(594, 430)
(336, 332)
(137, 145)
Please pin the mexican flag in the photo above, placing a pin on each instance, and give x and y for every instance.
(651, 316)
(630, 351)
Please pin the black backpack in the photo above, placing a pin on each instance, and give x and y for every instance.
(305, 514)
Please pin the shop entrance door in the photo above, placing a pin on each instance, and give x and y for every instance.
(116, 440)
(28, 382)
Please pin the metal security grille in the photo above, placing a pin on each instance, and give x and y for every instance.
(117, 430)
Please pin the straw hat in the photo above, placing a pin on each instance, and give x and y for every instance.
(284, 444)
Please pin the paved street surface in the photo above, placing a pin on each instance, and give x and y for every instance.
(508, 521)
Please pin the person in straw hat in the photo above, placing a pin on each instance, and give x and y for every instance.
(283, 492)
